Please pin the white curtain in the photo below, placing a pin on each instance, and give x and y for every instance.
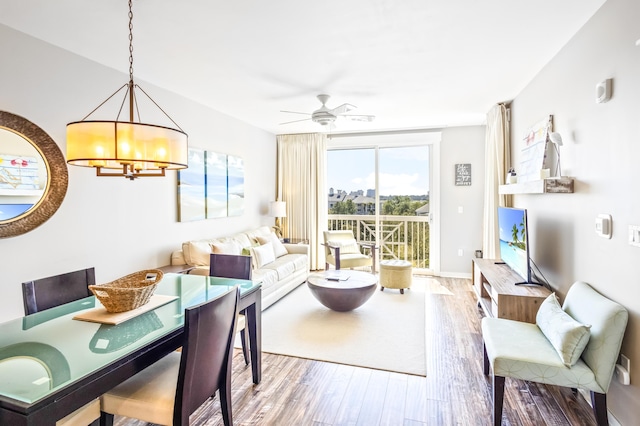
(302, 184)
(497, 159)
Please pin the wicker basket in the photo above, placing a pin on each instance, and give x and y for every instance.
(129, 292)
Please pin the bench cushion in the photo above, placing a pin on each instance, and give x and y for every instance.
(520, 350)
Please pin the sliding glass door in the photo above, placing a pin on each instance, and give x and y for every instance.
(382, 193)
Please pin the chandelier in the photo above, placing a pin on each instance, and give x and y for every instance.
(127, 148)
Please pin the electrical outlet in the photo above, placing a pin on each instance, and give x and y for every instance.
(625, 362)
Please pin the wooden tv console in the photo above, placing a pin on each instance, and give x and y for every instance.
(499, 297)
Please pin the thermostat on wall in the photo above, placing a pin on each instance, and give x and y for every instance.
(603, 91)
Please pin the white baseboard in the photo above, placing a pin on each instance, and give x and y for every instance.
(465, 275)
(587, 396)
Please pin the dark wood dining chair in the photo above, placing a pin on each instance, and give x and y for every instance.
(49, 292)
(232, 266)
(45, 293)
(188, 378)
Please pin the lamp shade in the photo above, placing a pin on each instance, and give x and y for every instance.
(112, 144)
(278, 209)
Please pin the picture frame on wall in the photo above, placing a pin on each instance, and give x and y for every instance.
(235, 185)
(216, 185)
(191, 188)
(463, 174)
(211, 187)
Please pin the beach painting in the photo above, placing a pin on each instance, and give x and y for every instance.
(211, 187)
(191, 188)
(235, 185)
(216, 185)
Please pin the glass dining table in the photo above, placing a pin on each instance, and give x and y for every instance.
(52, 364)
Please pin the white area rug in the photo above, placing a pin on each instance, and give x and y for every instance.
(386, 333)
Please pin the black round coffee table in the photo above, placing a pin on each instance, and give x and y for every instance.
(342, 290)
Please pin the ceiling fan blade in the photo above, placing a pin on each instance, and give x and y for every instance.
(359, 117)
(294, 121)
(296, 112)
(342, 109)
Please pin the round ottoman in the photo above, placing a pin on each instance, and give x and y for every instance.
(395, 274)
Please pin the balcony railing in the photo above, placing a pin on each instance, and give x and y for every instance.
(399, 237)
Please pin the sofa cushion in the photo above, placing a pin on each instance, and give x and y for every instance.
(262, 255)
(228, 247)
(568, 336)
(300, 261)
(263, 231)
(246, 251)
(283, 266)
(196, 253)
(278, 248)
(268, 277)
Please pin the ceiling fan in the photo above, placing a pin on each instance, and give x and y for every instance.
(326, 116)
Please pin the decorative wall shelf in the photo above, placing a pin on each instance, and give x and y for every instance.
(559, 185)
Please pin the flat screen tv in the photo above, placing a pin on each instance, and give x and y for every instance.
(514, 241)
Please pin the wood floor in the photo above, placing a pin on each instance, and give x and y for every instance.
(455, 392)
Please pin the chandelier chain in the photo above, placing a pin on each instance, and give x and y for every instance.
(131, 40)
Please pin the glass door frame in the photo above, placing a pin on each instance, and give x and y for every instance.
(378, 140)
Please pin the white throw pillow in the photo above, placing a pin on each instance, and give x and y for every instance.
(348, 246)
(278, 248)
(262, 255)
(568, 336)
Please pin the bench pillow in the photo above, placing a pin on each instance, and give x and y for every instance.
(568, 336)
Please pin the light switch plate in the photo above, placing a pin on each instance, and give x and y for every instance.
(604, 225)
(634, 235)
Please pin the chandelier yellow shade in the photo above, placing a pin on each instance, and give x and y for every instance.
(116, 144)
(127, 148)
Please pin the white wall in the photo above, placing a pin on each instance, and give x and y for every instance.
(461, 230)
(601, 150)
(113, 224)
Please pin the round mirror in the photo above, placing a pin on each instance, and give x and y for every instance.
(33, 175)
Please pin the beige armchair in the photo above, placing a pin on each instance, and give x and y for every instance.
(574, 346)
(343, 251)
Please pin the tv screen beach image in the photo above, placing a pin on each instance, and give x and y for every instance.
(513, 240)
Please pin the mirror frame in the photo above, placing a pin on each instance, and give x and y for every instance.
(57, 176)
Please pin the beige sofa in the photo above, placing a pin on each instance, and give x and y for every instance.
(280, 267)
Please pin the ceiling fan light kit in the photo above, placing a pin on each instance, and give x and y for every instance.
(326, 116)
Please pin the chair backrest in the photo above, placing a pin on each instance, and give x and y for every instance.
(49, 292)
(336, 236)
(230, 266)
(205, 363)
(608, 322)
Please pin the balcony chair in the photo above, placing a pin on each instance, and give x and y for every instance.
(343, 251)
(232, 266)
(45, 293)
(168, 391)
(574, 346)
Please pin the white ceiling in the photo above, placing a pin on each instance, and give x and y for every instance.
(411, 63)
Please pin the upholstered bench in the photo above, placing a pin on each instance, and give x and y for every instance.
(395, 274)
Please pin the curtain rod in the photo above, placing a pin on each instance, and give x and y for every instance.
(386, 132)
